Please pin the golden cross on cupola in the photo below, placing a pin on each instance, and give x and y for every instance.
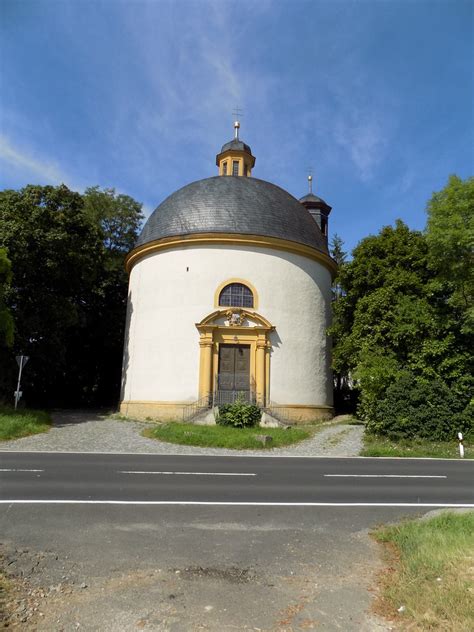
(237, 114)
(235, 157)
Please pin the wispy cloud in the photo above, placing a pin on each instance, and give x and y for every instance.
(363, 140)
(192, 75)
(26, 161)
(29, 166)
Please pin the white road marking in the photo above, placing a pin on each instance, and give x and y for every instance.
(18, 470)
(383, 476)
(190, 473)
(227, 504)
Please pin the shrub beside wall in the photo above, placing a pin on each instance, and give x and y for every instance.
(239, 415)
(417, 408)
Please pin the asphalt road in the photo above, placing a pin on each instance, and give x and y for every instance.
(157, 479)
(112, 542)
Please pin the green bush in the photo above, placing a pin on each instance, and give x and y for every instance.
(239, 415)
(376, 371)
(417, 408)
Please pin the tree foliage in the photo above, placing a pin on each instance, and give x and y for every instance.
(404, 310)
(118, 216)
(450, 237)
(68, 293)
(336, 249)
(6, 320)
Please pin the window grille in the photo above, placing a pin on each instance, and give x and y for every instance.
(235, 167)
(236, 295)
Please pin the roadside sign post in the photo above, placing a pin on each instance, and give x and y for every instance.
(21, 361)
(461, 446)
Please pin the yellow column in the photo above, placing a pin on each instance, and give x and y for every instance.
(205, 364)
(268, 348)
(260, 372)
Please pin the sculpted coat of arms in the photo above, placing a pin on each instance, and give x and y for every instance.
(235, 317)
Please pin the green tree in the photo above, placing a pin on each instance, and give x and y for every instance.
(342, 391)
(68, 294)
(119, 217)
(6, 320)
(397, 323)
(56, 255)
(336, 249)
(383, 302)
(450, 237)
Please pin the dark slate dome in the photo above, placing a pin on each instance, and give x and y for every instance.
(235, 205)
(310, 197)
(236, 145)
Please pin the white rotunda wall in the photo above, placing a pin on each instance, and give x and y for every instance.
(172, 290)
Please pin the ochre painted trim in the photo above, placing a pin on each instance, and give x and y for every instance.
(246, 161)
(305, 413)
(312, 406)
(210, 239)
(268, 348)
(159, 411)
(179, 402)
(211, 335)
(167, 411)
(222, 285)
(208, 321)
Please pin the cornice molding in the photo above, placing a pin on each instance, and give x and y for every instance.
(237, 239)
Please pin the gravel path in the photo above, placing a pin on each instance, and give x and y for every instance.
(90, 432)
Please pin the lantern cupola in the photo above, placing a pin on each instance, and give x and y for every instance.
(235, 157)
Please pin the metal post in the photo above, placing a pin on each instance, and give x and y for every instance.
(17, 392)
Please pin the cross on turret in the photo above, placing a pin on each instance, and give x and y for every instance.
(237, 114)
(235, 157)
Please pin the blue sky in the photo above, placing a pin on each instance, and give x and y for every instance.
(376, 96)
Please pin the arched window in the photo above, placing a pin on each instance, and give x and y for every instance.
(236, 295)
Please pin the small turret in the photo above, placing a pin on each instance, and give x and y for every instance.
(317, 207)
(235, 157)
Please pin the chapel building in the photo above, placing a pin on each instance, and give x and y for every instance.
(230, 296)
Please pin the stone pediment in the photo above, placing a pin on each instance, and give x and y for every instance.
(234, 317)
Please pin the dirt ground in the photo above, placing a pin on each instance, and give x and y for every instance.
(181, 571)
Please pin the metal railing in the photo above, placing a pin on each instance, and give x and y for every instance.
(220, 397)
(197, 407)
(279, 412)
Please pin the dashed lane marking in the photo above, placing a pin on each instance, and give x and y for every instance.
(18, 470)
(190, 473)
(384, 476)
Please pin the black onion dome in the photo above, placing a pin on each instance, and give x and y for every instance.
(233, 205)
(236, 145)
(311, 198)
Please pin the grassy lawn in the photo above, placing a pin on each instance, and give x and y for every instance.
(21, 423)
(430, 581)
(381, 446)
(224, 436)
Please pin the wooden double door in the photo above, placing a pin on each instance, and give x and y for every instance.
(234, 368)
